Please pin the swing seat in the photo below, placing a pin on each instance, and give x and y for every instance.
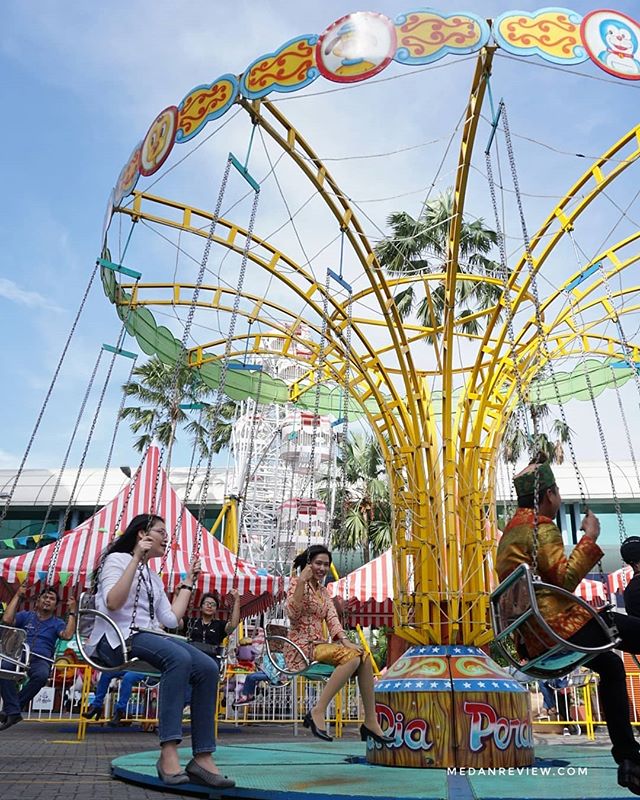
(15, 654)
(276, 641)
(87, 616)
(516, 618)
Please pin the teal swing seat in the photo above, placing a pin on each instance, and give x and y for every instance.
(516, 618)
(276, 641)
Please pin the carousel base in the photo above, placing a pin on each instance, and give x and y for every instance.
(323, 771)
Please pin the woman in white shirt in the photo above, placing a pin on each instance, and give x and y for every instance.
(134, 598)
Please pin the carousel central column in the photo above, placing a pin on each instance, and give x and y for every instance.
(447, 703)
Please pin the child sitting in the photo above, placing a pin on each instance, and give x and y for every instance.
(267, 672)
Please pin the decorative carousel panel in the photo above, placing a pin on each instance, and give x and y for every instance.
(425, 36)
(128, 177)
(448, 706)
(159, 141)
(108, 216)
(286, 70)
(612, 41)
(494, 729)
(356, 47)
(205, 103)
(551, 33)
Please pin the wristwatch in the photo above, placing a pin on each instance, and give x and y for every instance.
(185, 586)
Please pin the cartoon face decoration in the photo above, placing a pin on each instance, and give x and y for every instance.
(128, 177)
(159, 140)
(356, 46)
(612, 40)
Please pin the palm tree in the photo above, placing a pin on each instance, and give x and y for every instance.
(168, 401)
(418, 246)
(516, 442)
(363, 518)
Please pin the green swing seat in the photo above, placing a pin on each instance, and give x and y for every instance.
(277, 641)
(515, 617)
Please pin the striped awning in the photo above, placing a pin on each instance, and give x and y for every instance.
(79, 549)
(593, 592)
(619, 580)
(367, 592)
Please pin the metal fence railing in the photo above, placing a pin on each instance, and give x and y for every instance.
(572, 708)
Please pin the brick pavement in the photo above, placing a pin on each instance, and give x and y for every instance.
(44, 761)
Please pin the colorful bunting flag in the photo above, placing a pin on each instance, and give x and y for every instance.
(64, 578)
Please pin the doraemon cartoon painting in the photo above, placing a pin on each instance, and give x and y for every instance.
(612, 41)
(621, 47)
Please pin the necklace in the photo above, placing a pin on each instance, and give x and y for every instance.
(206, 627)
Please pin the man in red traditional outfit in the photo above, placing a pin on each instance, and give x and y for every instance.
(532, 537)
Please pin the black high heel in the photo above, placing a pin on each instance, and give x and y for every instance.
(315, 730)
(365, 734)
(93, 712)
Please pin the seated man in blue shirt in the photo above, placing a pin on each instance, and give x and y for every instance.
(43, 631)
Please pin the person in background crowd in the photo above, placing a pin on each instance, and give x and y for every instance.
(43, 631)
(129, 680)
(630, 552)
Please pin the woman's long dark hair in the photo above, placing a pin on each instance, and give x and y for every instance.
(307, 556)
(126, 542)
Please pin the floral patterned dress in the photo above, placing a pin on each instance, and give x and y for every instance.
(306, 617)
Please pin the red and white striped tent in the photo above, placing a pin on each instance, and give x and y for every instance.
(80, 548)
(367, 592)
(592, 591)
(619, 580)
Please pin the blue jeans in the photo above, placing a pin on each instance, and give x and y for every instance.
(548, 694)
(129, 680)
(179, 665)
(251, 681)
(37, 676)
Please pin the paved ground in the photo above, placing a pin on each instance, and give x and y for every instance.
(44, 762)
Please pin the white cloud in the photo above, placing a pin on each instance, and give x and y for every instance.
(11, 291)
(8, 460)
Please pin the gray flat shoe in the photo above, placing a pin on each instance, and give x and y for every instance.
(203, 777)
(171, 780)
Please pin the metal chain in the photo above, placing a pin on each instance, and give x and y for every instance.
(616, 319)
(191, 313)
(603, 442)
(226, 357)
(83, 406)
(112, 443)
(625, 424)
(5, 509)
(92, 429)
(345, 414)
(522, 403)
(245, 488)
(536, 297)
(319, 369)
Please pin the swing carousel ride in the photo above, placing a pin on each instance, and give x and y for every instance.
(279, 299)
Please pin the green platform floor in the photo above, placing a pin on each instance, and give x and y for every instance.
(294, 771)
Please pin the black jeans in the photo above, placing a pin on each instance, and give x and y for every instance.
(612, 688)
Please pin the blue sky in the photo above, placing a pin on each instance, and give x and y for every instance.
(82, 82)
